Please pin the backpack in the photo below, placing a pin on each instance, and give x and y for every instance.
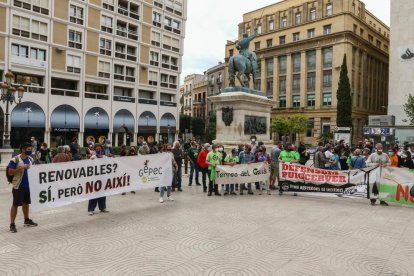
(8, 175)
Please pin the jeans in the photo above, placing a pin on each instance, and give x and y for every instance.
(212, 187)
(266, 184)
(101, 202)
(163, 190)
(194, 167)
(204, 173)
(231, 186)
(249, 187)
(179, 177)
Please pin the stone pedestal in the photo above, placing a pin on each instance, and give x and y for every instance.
(5, 155)
(240, 116)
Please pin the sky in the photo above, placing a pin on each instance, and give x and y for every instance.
(211, 23)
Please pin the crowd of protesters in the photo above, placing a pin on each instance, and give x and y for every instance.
(203, 158)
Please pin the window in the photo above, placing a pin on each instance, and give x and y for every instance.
(296, 36)
(108, 4)
(259, 29)
(123, 92)
(312, 14)
(296, 83)
(37, 54)
(257, 45)
(282, 85)
(269, 43)
(282, 65)
(296, 62)
(269, 87)
(40, 6)
(39, 30)
(106, 24)
(282, 101)
(271, 25)
(355, 28)
(327, 99)
(75, 39)
(297, 18)
(131, 53)
(284, 22)
(327, 29)
(328, 9)
(311, 60)
(311, 33)
(119, 72)
(166, 97)
(95, 91)
(295, 101)
(73, 64)
(154, 58)
(310, 82)
(76, 14)
(370, 39)
(282, 40)
(104, 69)
(156, 19)
(327, 79)
(22, 27)
(130, 74)
(311, 100)
(155, 39)
(361, 32)
(20, 51)
(231, 52)
(269, 67)
(327, 57)
(153, 78)
(105, 46)
(378, 44)
(310, 128)
(120, 50)
(144, 94)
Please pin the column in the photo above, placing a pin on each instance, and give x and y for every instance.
(288, 81)
(303, 79)
(318, 79)
(276, 80)
(115, 144)
(81, 138)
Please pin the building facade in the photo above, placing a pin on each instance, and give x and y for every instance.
(401, 67)
(300, 47)
(199, 96)
(215, 76)
(99, 69)
(189, 83)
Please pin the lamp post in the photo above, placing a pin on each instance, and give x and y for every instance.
(8, 96)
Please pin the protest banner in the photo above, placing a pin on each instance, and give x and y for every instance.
(397, 185)
(243, 173)
(54, 185)
(298, 178)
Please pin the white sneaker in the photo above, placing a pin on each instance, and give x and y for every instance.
(170, 198)
(161, 200)
(91, 213)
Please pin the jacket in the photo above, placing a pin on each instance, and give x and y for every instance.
(201, 159)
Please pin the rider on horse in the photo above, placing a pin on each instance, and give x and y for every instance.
(243, 47)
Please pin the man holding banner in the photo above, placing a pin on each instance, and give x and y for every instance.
(213, 159)
(246, 157)
(231, 160)
(100, 201)
(287, 156)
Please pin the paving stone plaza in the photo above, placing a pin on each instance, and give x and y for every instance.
(200, 235)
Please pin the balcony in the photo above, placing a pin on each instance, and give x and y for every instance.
(132, 12)
(130, 33)
(219, 81)
(126, 99)
(28, 61)
(64, 92)
(199, 102)
(211, 82)
(96, 96)
(33, 88)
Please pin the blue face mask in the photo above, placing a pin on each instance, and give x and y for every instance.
(28, 152)
(100, 152)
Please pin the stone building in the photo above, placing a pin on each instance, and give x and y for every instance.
(300, 47)
(98, 69)
(215, 76)
(189, 83)
(199, 96)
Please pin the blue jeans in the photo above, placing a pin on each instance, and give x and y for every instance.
(194, 167)
(101, 202)
(168, 191)
(231, 186)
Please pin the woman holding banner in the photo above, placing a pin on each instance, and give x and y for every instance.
(231, 160)
(101, 201)
(174, 173)
(262, 156)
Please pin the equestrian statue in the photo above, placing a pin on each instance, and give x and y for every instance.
(245, 63)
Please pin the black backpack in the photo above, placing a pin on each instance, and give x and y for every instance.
(8, 175)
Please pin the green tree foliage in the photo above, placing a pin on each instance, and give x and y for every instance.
(280, 125)
(298, 123)
(409, 109)
(344, 108)
(197, 126)
(326, 137)
(185, 123)
(211, 129)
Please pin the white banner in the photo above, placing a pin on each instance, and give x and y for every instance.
(243, 173)
(54, 185)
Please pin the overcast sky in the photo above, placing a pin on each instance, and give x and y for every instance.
(211, 23)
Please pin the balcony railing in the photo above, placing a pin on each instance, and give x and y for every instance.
(124, 11)
(97, 96)
(33, 88)
(124, 32)
(64, 92)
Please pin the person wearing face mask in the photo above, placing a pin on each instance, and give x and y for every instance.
(61, 156)
(246, 157)
(192, 154)
(178, 156)
(231, 160)
(201, 161)
(44, 151)
(262, 156)
(378, 158)
(17, 168)
(287, 156)
(101, 201)
(253, 145)
(213, 159)
(394, 158)
(406, 160)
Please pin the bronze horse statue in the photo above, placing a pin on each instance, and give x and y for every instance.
(241, 67)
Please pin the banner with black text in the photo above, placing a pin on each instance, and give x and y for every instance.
(54, 185)
(243, 173)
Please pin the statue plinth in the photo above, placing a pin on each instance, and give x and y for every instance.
(241, 114)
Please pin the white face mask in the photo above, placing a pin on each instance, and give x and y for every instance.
(253, 140)
(220, 149)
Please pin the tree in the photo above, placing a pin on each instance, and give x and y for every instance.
(326, 137)
(185, 123)
(344, 108)
(280, 125)
(211, 129)
(298, 123)
(409, 108)
(197, 126)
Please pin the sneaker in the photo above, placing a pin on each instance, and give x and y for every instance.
(191, 184)
(217, 194)
(226, 193)
(295, 194)
(91, 213)
(268, 193)
(280, 192)
(372, 203)
(198, 184)
(123, 194)
(161, 200)
(233, 193)
(209, 194)
(383, 203)
(250, 193)
(170, 198)
(104, 211)
(204, 190)
(132, 192)
(13, 228)
(180, 190)
(241, 193)
(29, 222)
(157, 190)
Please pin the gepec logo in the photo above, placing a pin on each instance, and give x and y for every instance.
(149, 173)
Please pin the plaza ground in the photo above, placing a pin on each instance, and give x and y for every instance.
(200, 235)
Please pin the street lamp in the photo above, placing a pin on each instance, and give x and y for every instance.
(8, 96)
